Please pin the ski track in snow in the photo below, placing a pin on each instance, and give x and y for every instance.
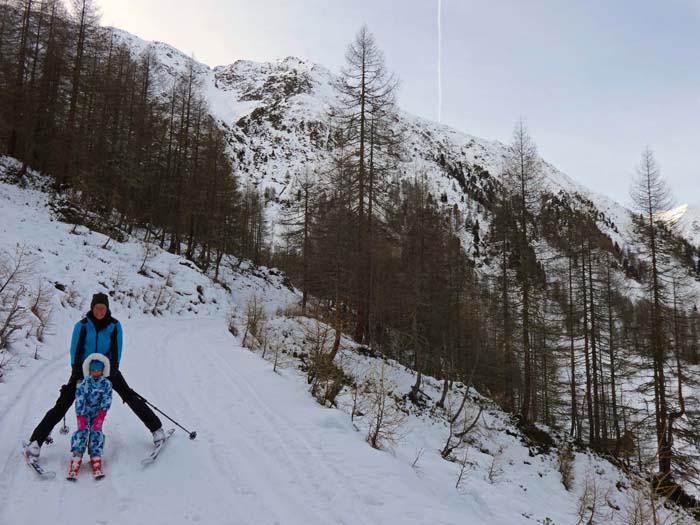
(265, 452)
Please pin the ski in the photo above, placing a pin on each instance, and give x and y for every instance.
(46, 474)
(34, 463)
(156, 451)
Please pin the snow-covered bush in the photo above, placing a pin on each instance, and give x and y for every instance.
(41, 308)
(15, 272)
(384, 416)
(255, 321)
(324, 375)
(565, 460)
(594, 503)
(25, 303)
(232, 323)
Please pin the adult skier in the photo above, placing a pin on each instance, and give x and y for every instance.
(93, 397)
(98, 332)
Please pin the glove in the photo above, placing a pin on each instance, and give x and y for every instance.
(82, 422)
(99, 419)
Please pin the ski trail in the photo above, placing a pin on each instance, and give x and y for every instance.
(306, 452)
(266, 453)
(25, 403)
(281, 445)
(38, 378)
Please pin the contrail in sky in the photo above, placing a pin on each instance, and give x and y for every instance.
(439, 64)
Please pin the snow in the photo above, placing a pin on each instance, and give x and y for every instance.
(264, 448)
(266, 452)
(686, 218)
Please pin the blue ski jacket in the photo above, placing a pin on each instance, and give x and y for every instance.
(87, 340)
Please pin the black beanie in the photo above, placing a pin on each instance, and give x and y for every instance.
(99, 298)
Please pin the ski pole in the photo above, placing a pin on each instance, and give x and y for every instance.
(192, 434)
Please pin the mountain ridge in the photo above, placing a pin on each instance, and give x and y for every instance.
(274, 114)
(275, 119)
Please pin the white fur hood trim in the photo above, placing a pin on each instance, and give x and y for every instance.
(95, 357)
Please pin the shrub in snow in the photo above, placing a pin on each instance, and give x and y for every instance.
(593, 504)
(324, 375)
(231, 324)
(20, 308)
(255, 322)
(385, 418)
(565, 462)
(41, 309)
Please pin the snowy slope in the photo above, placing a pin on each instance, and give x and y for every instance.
(686, 218)
(266, 451)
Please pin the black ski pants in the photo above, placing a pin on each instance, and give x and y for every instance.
(67, 397)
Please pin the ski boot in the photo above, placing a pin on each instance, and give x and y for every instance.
(32, 451)
(158, 437)
(96, 464)
(74, 467)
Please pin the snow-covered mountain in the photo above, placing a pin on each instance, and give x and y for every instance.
(266, 452)
(275, 116)
(686, 218)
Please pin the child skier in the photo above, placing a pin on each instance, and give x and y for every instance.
(93, 397)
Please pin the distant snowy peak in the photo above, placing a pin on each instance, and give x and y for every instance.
(686, 218)
(675, 215)
(169, 60)
(295, 91)
(255, 80)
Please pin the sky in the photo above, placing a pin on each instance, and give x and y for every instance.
(596, 81)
